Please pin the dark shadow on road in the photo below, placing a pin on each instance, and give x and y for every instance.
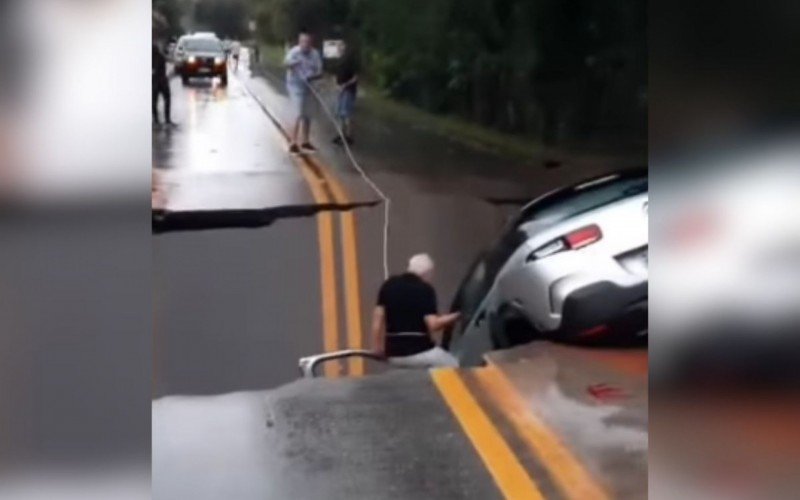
(165, 221)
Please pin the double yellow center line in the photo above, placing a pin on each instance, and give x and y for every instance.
(571, 478)
(327, 190)
(499, 459)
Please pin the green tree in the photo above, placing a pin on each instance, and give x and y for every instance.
(227, 18)
(550, 69)
(171, 11)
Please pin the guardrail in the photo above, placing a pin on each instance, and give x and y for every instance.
(308, 365)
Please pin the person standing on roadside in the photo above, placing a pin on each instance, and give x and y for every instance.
(347, 82)
(303, 66)
(406, 317)
(161, 85)
(236, 52)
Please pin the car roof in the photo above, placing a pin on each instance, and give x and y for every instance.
(566, 192)
(194, 37)
(204, 36)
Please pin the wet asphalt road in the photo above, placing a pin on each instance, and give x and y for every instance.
(467, 434)
(269, 267)
(260, 258)
(346, 439)
(235, 307)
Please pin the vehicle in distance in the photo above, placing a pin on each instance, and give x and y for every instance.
(572, 265)
(201, 56)
(332, 49)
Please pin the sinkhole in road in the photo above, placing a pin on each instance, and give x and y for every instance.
(165, 221)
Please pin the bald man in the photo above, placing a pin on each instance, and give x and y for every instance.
(406, 318)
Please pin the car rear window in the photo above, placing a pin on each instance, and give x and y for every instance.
(203, 44)
(568, 203)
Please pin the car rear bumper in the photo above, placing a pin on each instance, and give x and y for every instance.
(604, 307)
(198, 70)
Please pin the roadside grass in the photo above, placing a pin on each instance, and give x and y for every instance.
(469, 134)
(456, 129)
(272, 55)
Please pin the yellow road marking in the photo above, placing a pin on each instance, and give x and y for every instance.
(348, 234)
(352, 280)
(327, 260)
(572, 479)
(509, 475)
(355, 332)
(330, 308)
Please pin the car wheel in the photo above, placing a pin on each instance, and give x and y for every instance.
(509, 328)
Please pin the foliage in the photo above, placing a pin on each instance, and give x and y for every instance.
(167, 14)
(550, 69)
(226, 18)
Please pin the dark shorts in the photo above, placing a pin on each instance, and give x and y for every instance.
(346, 104)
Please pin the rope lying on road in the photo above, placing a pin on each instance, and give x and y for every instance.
(387, 202)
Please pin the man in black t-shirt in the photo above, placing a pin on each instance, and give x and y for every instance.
(161, 85)
(406, 316)
(347, 82)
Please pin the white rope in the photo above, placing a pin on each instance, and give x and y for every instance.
(387, 202)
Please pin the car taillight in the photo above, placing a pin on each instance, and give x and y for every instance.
(583, 237)
(572, 241)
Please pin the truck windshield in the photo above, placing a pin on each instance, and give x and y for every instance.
(203, 45)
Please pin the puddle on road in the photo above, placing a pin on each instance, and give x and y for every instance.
(318, 438)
